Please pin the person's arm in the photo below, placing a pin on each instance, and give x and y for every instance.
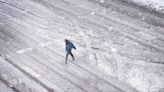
(74, 47)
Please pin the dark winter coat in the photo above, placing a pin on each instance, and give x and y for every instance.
(69, 46)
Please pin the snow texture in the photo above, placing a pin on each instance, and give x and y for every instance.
(119, 46)
(154, 4)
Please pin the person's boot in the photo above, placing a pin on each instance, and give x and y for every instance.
(51, 90)
(66, 61)
(73, 58)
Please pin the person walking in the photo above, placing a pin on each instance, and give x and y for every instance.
(69, 47)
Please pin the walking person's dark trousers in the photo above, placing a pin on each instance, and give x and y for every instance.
(69, 53)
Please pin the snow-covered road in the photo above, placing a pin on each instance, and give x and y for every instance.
(119, 48)
(157, 5)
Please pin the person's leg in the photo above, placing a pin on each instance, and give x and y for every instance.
(66, 57)
(72, 55)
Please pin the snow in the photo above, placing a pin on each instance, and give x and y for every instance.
(99, 44)
(24, 50)
(5, 88)
(155, 4)
(29, 70)
(145, 81)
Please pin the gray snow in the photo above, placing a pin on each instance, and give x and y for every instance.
(119, 48)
